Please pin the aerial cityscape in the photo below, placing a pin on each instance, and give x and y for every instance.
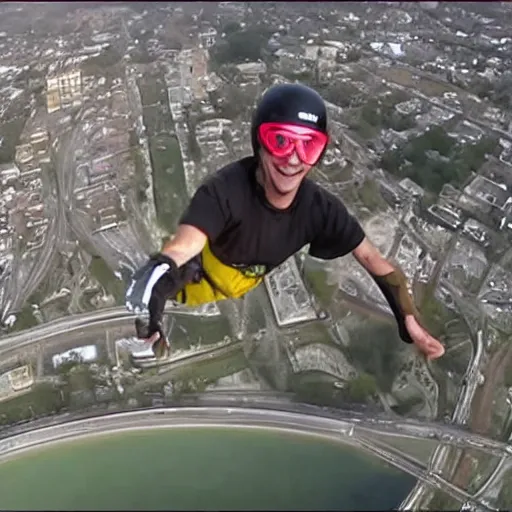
(112, 114)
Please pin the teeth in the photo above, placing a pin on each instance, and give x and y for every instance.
(288, 174)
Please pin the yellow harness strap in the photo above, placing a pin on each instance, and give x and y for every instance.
(223, 282)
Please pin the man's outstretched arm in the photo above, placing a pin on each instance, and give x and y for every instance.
(187, 243)
(160, 279)
(393, 284)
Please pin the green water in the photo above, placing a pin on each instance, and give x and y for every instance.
(200, 469)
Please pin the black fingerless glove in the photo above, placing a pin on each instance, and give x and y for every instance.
(152, 285)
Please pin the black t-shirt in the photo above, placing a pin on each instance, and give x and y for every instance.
(244, 230)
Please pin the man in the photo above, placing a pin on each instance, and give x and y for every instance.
(250, 216)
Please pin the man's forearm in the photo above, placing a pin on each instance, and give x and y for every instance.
(371, 259)
(179, 257)
(379, 266)
(391, 281)
(397, 281)
(185, 245)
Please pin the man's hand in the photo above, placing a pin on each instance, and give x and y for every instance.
(426, 343)
(159, 344)
(393, 284)
(156, 270)
(156, 281)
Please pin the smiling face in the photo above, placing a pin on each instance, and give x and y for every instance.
(282, 176)
(287, 153)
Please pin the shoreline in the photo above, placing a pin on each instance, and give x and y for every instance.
(336, 431)
(53, 443)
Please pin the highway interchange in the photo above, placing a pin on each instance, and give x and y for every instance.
(66, 220)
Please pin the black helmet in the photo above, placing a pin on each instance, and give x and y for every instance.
(289, 103)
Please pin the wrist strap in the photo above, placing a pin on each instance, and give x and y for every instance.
(163, 258)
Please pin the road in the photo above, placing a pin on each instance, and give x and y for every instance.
(195, 358)
(110, 316)
(56, 232)
(41, 265)
(103, 317)
(441, 456)
(20, 288)
(462, 409)
(419, 472)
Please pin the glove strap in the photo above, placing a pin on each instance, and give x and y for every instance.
(163, 258)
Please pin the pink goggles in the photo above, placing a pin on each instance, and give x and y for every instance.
(281, 140)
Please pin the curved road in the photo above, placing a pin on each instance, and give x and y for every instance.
(68, 324)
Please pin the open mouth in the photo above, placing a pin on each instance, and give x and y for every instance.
(286, 174)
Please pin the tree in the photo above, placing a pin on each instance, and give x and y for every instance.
(481, 86)
(369, 194)
(501, 95)
(231, 27)
(480, 65)
(508, 379)
(97, 65)
(504, 500)
(353, 55)
(400, 123)
(142, 196)
(341, 94)
(372, 113)
(361, 388)
(375, 349)
(132, 138)
(391, 161)
(239, 46)
(381, 112)
(434, 159)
